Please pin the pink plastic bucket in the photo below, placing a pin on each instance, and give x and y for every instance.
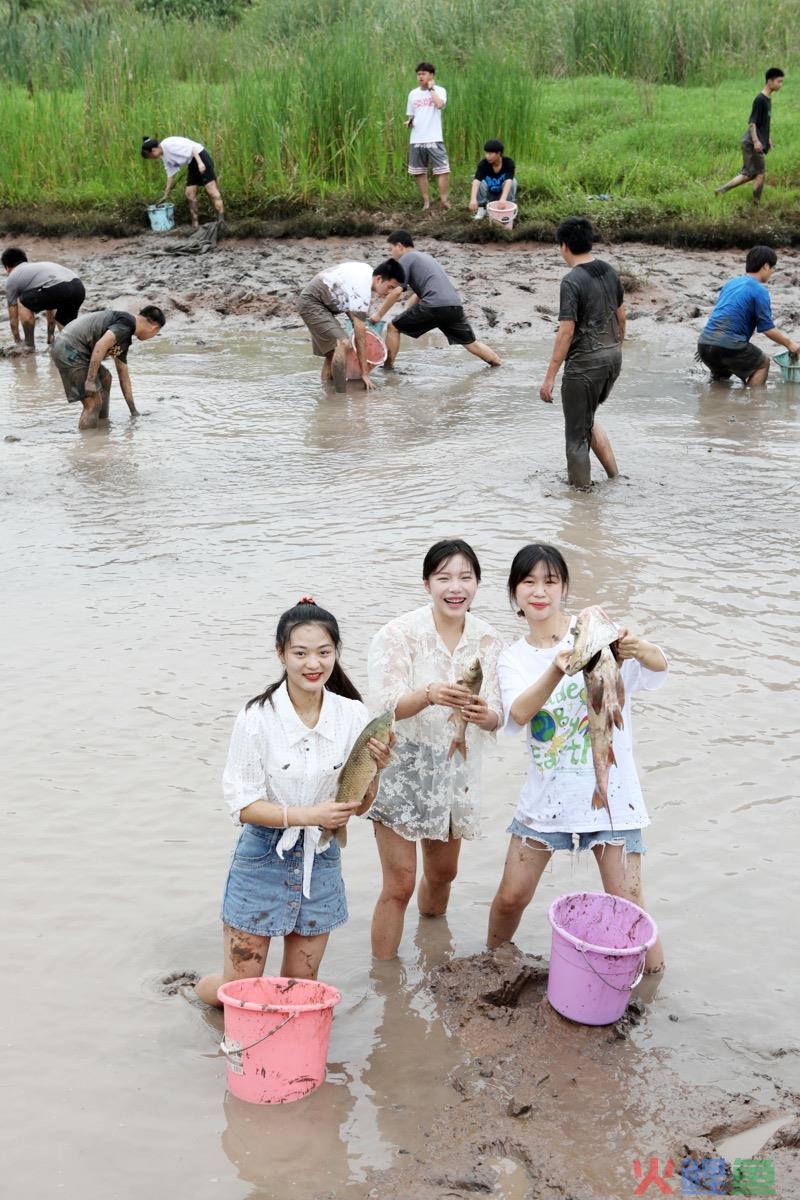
(276, 1037)
(596, 955)
(502, 212)
(376, 354)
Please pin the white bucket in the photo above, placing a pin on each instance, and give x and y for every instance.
(502, 212)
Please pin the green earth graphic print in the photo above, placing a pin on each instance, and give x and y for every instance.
(560, 732)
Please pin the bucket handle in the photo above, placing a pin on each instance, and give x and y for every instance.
(230, 1053)
(614, 988)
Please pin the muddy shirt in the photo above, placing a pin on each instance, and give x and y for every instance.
(430, 281)
(84, 334)
(743, 306)
(35, 275)
(344, 289)
(760, 116)
(590, 295)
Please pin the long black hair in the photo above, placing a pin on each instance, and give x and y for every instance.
(529, 557)
(308, 612)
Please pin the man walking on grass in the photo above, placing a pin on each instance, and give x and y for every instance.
(757, 143)
(591, 330)
(426, 148)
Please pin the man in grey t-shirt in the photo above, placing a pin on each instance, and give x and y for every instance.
(434, 303)
(34, 287)
(78, 353)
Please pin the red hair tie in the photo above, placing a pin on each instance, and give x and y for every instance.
(306, 600)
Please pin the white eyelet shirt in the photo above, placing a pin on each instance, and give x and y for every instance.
(274, 756)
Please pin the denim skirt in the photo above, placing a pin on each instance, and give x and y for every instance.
(264, 893)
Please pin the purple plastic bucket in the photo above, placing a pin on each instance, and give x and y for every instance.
(597, 955)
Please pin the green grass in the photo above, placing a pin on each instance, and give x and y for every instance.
(302, 106)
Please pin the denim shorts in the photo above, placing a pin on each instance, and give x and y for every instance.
(556, 840)
(264, 893)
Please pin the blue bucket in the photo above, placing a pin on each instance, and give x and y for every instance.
(162, 217)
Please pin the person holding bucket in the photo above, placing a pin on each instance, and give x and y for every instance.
(177, 152)
(288, 745)
(494, 179)
(555, 810)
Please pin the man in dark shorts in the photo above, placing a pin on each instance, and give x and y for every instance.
(757, 143)
(78, 352)
(178, 152)
(434, 303)
(591, 329)
(34, 287)
(743, 306)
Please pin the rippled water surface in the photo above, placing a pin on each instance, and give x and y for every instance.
(144, 568)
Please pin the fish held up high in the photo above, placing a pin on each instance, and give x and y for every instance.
(472, 678)
(595, 653)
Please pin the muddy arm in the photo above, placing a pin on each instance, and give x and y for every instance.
(13, 320)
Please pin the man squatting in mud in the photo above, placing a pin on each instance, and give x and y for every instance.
(34, 287)
(78, 352)
(591, 329)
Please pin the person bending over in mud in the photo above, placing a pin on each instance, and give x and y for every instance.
(178, 152)
(756, 143)
(591, 329)
(556, 809)
(743, 306)
(286, 751)
(34, 287)
(348, 288)
(78, 352)
(434, 303)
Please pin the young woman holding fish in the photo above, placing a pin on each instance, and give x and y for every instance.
(287, 748)
(423, 666)
(568, 775)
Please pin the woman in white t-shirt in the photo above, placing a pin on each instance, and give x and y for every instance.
(177, 152)
(430, 793)
(555, 810)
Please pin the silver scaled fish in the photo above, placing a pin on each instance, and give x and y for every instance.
(472, 678)
(594, 653)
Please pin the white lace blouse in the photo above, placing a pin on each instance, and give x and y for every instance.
(423, 794)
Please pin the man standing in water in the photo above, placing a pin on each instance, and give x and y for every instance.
(426, 148)
(757, 143)
(434, 303)
(591, 329)
(743, 306)
(178, 152)
(34, 287)
(78, 352)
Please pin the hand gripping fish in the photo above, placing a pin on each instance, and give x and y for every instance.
(472, 679)
(360, 769)
(594, 652)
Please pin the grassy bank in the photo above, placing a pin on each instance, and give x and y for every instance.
(302, 106)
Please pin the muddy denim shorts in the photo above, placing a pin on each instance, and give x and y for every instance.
(264, 893)
(73, 369)
(631, 838)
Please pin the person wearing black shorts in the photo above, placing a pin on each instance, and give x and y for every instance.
(757, 143)
(34, 287)
(435, 304)
(178, 152)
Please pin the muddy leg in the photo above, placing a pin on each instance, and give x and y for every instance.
(399, 866)
(760, 376)
(439, 867)
(422, 184)
(302, 955)
(525, 864)
(484, 352)
(625, 879)
(191, 197)
(737, 181)
(216, 199)
(325, 373)
(576, 402)
(392, 345)
(104, 378)
(339, 366)
(245, 955)
(601, 445)
(758, 188)
(28, 322)
(443, 183)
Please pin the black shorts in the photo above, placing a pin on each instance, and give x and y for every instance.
(723, 361)
(66, 298)
(198, 178)
(422, 318)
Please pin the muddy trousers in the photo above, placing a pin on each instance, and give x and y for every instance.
(586, 384)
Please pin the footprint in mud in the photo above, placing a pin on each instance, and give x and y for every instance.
(174, 983)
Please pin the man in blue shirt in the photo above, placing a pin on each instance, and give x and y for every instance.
(743, 306)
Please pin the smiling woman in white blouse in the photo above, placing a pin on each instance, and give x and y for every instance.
(287, 748)
(430, 794)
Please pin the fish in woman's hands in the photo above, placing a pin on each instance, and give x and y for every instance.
(360, 768)
(594, 652)
(473, 680)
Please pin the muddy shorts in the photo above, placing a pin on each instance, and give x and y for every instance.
(325, 330)
(584, 387)
(264, 893)
(198, 178)
(724, 361)
(753, 161)
(422, 155)
(73, 369)
(631, 839)
(422, 318)
(66, 298)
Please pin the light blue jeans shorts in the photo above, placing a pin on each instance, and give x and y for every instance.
(631, 839)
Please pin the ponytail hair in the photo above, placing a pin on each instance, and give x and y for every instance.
(149, 144)
(308, 612)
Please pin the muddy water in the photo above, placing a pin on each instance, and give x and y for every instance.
(144, 569)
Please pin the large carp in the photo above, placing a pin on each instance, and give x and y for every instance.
(594, 653)
(360, 769)
(472, 678)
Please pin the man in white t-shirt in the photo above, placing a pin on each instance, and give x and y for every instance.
(177, 152)
(426, 149)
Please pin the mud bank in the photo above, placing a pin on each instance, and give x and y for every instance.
(546, 1109)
